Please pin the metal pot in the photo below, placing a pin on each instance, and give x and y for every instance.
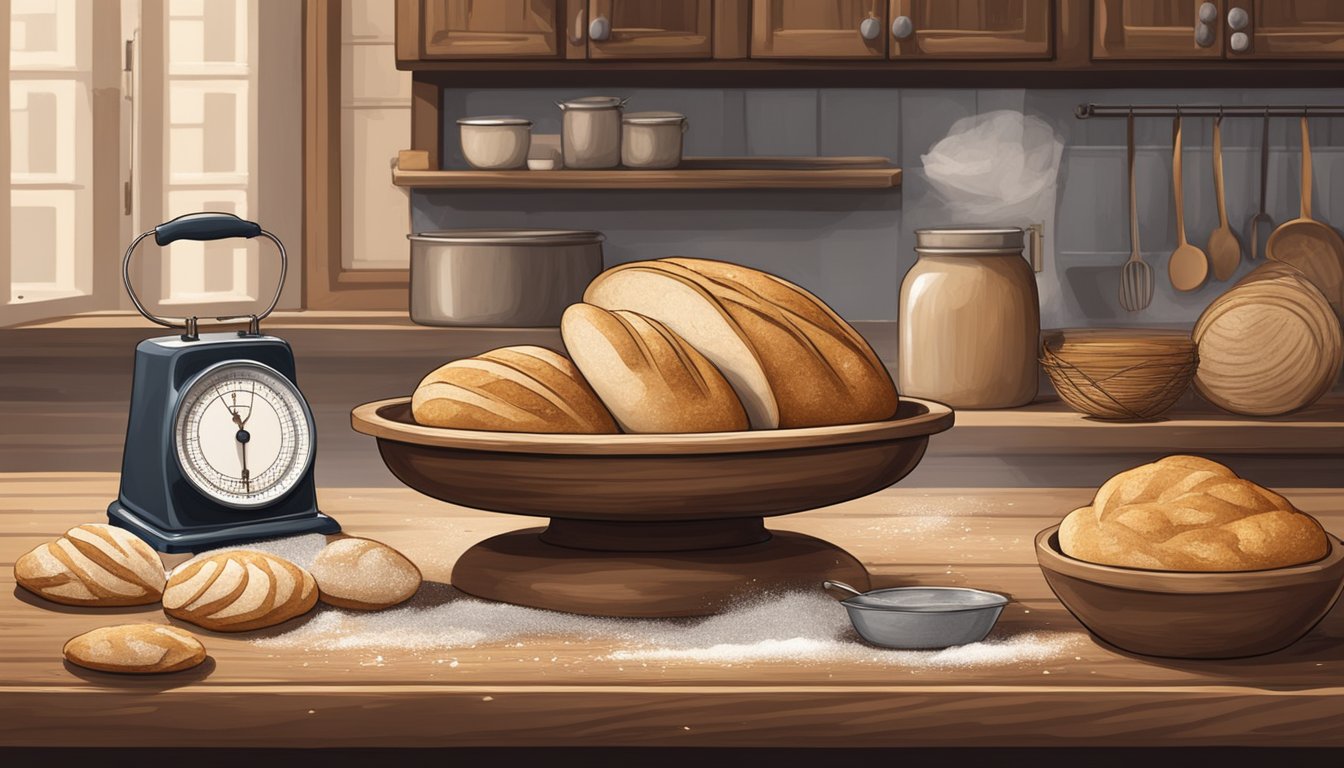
(591, 132)
(495, 143)
(652, 139)
(500, 277)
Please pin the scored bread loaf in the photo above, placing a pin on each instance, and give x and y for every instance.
(792, 361)
(1186, 513)
(239, 590)
(93, 564)
(137, 649)
(647, 375)
(511, 389)
(364, 575)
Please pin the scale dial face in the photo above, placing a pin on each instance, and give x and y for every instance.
(243, 434)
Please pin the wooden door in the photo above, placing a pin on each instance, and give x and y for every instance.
(649, 29)
(491, 29)
(1285, 29)
(812, 29)
(970, 29)
(1158, 29)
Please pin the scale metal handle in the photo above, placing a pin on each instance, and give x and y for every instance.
(202, 227)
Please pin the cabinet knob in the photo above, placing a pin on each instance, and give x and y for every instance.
(1237, 19)
(1208, 13)
(1240, 42)
(902, 27)
(1203, 35)
(599, 29)
(870, 28)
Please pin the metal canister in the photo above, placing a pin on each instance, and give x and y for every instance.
(652, 139)
(591, 133)
(970, 320)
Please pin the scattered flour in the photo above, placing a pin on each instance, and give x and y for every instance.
(795, 627)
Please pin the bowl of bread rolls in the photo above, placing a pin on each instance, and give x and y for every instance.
(692, 399)
(1181, 558)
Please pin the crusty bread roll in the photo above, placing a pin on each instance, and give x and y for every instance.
(364, 575)
(1185, 513)
(94, 564)
(792, 361)
(239, 590)
(138, 649)
(647, 375)
(511, 389)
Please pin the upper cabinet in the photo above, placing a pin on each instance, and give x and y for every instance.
(1158, 29)
(490, 29)
(1285, 29)
(649, 29)
(969, 29)
(812, 29)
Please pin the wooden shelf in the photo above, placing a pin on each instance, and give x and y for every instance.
(694, 173)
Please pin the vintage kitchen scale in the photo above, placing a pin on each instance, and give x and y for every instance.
(650, 525)
(220, 444)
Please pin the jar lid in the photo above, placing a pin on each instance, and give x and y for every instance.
(494, 120)
(970, 240)
(594, 102)
(509, 236)
(654, 118)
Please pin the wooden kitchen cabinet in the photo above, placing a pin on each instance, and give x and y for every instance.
(1159, 29)
(649, 29)
(970, 29)
(1285, 29)
(491, 29)
(807, 29)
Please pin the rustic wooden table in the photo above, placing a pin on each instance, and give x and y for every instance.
(560, 691)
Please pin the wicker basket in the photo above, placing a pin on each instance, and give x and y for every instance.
(1120, 374)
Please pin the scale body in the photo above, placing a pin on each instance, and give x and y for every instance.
(199, 403)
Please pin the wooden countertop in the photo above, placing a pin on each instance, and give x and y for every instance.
(561, 691)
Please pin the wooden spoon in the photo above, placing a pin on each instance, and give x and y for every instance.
(1188, 267)
(1311, 246)
(1224, 248)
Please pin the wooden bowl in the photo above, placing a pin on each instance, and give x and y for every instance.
(1120, 374)
(1184, 615)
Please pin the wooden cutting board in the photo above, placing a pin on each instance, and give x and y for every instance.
(1270, 345)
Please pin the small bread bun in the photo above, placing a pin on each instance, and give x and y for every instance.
(239, 590)
(511, 389)
(93, 564)
(650, 378)
(137, 649)
(364, 575)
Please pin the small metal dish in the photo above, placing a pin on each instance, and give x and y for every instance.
(921, 618)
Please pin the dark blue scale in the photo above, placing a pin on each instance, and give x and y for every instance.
(158, 501)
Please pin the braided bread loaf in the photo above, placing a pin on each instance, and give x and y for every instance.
(1185, 513)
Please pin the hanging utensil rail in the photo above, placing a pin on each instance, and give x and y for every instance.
(1087, 111)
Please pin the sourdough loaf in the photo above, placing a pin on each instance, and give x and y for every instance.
(1186, 513)
(647, 375)
(364, 575)
(792, 361)
(94, 564)
(239, 590)
(138, 649)
(511, 389)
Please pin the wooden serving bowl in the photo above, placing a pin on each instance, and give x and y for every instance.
(649, 525)
(1184, 615)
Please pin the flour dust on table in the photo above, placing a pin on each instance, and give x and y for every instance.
(793, 627)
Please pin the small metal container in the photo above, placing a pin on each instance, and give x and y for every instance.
(922, 618)
(495, 143)
(591, 131)
(652, 139)
(521, 278)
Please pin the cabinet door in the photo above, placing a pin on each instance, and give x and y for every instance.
(649, 29)
(804, 29)
(491, 29)
(1158, 29)
(1285, 29)
(970, 29)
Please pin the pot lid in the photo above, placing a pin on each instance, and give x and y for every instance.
(494, 120)
(593, 102)
(654, 118)
(509, 236)
(970, 240)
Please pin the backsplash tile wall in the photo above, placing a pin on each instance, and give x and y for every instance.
(853, 247)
